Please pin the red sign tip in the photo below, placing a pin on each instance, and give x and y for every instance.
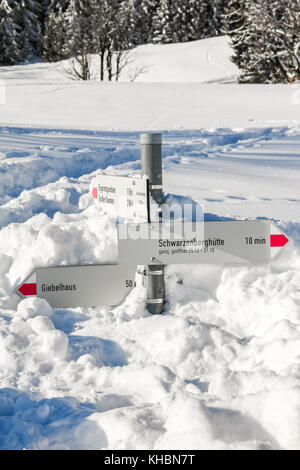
(278, 241)
(28, 289)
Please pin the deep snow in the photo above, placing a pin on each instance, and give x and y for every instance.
(220, 369)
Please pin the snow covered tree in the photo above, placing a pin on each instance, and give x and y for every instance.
(145, 11)
(112, 36)
(284, 37)
(9, 31)
(256, 64)
(43, 9)
(80, 18)
(265, 36)
(103, 19)
(216, 11)
(236, 25)
(165, 21)
(53, 5)
(198, 22)
(181, 21)
(163, 31)
(26, 15)
(70, 26)
(122, 37)
(54, 37)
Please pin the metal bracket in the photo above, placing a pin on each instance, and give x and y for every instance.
(155, 301)
(158, 272)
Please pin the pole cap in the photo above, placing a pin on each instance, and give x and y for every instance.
(151, 139)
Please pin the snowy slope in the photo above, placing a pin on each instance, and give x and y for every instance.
(220, 369)
(202, 61)
(198, 61)
(183, 86)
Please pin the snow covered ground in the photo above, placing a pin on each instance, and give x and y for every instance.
(221, 368)
(184, 86)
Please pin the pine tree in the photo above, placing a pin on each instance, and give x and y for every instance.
(54, 37)
(42, 9)
(83, 35)
(182, 20)
(182, 28)
(9, 49)
(49, 6)
(199, 23)
(265, 36)
(104, 14)
(144, 12)
(237, 24)
(162, 23)
(68, 23)
(257, 65)
(284, 35)
(113, 31)
(216, 12)
(123, 36)
(26, 14)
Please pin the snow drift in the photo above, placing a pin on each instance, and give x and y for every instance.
(219, 370)
(189, 85)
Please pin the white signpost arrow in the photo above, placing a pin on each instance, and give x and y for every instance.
(230, 242)
(80, 286)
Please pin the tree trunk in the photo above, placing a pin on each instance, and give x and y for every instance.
(102, 53)
(109, 65)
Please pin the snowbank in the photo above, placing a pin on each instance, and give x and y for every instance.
(220, 370)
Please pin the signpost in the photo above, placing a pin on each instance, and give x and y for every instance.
(152, 245)
(80, 286)
(151, 145)
(230, 242)
(123, 197)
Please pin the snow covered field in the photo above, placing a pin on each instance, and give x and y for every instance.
(221, 368)
(184, 86)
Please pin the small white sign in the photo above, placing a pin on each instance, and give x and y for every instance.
(123, 197)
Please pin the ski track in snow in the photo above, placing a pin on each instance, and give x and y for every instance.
(220, 370)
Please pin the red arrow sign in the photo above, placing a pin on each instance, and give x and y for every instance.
(28, 289)
(278, 241)
(95, 193)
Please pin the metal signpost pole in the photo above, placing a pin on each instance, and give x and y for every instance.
(151, 152)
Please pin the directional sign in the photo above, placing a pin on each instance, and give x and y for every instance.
(232, 242)
(152, 244)
(80, 286)
(123, 197)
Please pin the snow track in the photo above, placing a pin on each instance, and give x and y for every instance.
(220, 370)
